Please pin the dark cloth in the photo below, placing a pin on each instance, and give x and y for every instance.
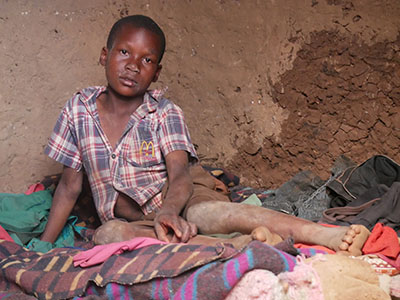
(366, 194)
(229, 179)
(379, 204)
(357, 180)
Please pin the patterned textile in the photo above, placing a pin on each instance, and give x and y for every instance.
(211, 281)
(157, 272)
(379, 264)
(136, 167)
(17, 295)
(229, 179)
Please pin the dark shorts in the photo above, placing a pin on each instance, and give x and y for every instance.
(205, 188)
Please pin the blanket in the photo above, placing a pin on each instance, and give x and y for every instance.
(172, 271)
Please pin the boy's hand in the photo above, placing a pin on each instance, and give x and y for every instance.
(168, 222)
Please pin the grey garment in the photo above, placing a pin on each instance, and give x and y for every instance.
(305, 195)
(298, 197)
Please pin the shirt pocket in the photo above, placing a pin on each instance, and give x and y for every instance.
(141, 148)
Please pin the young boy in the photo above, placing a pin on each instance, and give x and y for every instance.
(137, 153)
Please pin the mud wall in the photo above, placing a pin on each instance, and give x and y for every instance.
(342, 98)
(267, 89)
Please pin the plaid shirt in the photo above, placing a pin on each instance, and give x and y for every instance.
(136, 167)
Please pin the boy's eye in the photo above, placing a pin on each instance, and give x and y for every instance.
(124, 52)
(147, 60)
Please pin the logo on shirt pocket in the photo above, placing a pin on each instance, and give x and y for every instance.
(146, 150)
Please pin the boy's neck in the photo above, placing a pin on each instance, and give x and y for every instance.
(121, 105)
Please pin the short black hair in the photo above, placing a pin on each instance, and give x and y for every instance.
(138, 21)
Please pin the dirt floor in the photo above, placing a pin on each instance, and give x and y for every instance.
(268, 88)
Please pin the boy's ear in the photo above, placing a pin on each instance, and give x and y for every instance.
(155, 78)
(103, 56)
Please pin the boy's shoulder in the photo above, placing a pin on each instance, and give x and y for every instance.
(88, 93)
(160, 102)
(84, 97)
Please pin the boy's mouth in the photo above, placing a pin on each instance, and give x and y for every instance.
(128, 81)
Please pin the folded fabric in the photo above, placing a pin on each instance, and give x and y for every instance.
(36, 187)
(101, 253)
(383, 240)
(314, 247)
(4, 235)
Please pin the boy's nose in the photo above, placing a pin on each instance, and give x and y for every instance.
(133, 67)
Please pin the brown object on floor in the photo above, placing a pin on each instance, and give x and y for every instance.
(347, 278)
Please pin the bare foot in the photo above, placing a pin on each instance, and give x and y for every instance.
(263, 234)
(350, 240)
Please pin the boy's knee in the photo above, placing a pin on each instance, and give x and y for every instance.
(200, 210)
(110, 232)
(206, 215)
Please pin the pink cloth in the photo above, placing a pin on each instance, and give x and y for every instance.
(36, 187)
(4, 235)
(101, 253)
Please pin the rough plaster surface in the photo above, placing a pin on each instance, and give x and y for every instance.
(267, 88)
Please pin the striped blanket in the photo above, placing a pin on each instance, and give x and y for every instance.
(156, 272)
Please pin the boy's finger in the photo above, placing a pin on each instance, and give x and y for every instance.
(186, 231)
(161, 232)
(176, 227)
(193, 229)
(175, 239)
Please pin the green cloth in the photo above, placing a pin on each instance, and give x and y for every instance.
(24, 217)
(252, 200)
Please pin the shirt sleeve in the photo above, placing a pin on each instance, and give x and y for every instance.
(174, 134)
(62, 145)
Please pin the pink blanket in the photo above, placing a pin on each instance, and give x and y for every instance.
(100, 253)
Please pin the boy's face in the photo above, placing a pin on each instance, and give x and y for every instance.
(132, 63)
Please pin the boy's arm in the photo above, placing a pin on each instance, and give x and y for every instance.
(65, 196)
(180, 188)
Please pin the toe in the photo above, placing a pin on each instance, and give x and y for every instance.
(356, 229)
(347, 239)
(344, 246)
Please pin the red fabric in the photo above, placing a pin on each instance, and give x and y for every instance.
(317, 247)
(101, 253)
(383, 240)
(34, 188)
(4, 235)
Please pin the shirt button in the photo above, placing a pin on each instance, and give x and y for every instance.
(113, 156)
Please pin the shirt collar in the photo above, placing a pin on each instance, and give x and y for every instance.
(150, 99)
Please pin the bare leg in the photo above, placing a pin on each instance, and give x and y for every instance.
(117, 231)
(225, 217)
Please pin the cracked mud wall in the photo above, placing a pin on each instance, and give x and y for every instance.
(267, 89)
(346, 103)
